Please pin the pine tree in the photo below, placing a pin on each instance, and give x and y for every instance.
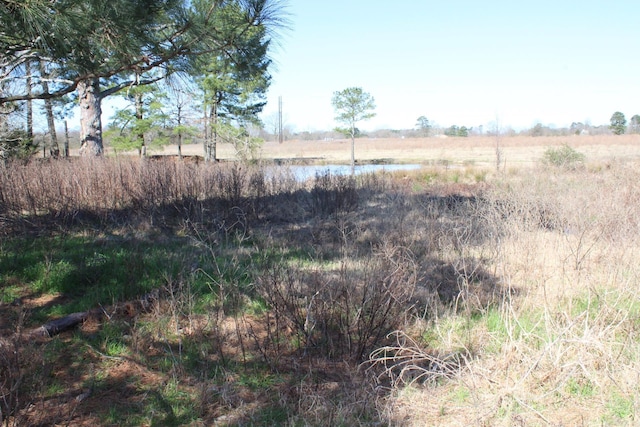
(353, 105)
(618, 123)
(96, 46)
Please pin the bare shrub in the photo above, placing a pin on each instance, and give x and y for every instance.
(345, 312)
(118, 190)
(21, 376)
(333, 194)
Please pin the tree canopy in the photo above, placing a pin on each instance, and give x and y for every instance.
(618, 123)
(234, 88)
(353, 105)
(96, 48)
(142, 122)
(423, 125)
(634, 124)
(455, 130)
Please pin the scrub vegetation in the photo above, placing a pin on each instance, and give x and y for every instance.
(231, 294)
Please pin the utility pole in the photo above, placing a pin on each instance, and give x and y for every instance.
(280, 134)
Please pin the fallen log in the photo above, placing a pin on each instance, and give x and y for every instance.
(56, 326)
(130, 308)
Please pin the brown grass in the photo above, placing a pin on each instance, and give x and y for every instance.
(480, 151)
(512, 297)
(564, 350)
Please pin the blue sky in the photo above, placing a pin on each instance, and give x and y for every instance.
(460, 62)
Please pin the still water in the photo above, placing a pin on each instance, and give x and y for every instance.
(305, 172)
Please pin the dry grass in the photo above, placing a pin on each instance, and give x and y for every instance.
(515, 295)
(564, 349)
(480, 151)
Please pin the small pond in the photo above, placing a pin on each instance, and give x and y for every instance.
(305, 172)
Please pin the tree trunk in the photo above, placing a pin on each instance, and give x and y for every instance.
(180, 131)
(214, 132)
(353, 149)
(27, 66)
(207, 126)
(90, 121)
(66, 139)
(142, 151)
(54, 149)
(211, 120)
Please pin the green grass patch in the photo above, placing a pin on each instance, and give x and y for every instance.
(619, 407)
(87, 271)
(258, 380)
(460, 394)
(580, 387)
(9, 293)
(480, 175)
(271, 416)
(256, 307)
(526, 325)
(587, 304)
(110, 339)
(54, 389)
(170, 406)
(124, 415)
(501, 327)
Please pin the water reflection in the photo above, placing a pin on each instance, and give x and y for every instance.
(305, 172)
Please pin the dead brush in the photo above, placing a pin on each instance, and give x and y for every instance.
(21, 376)
(10, 383)
(117, 190)
(562, 350)
(332, 195)
(345, 312)
(405, 363)
(331, 394)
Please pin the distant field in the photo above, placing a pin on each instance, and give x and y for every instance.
(480, 151)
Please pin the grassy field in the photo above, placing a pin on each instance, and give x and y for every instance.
(223, 294)
(479, 151)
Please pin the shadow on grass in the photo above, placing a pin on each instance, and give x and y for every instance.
(113, 256)
(81, 272)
